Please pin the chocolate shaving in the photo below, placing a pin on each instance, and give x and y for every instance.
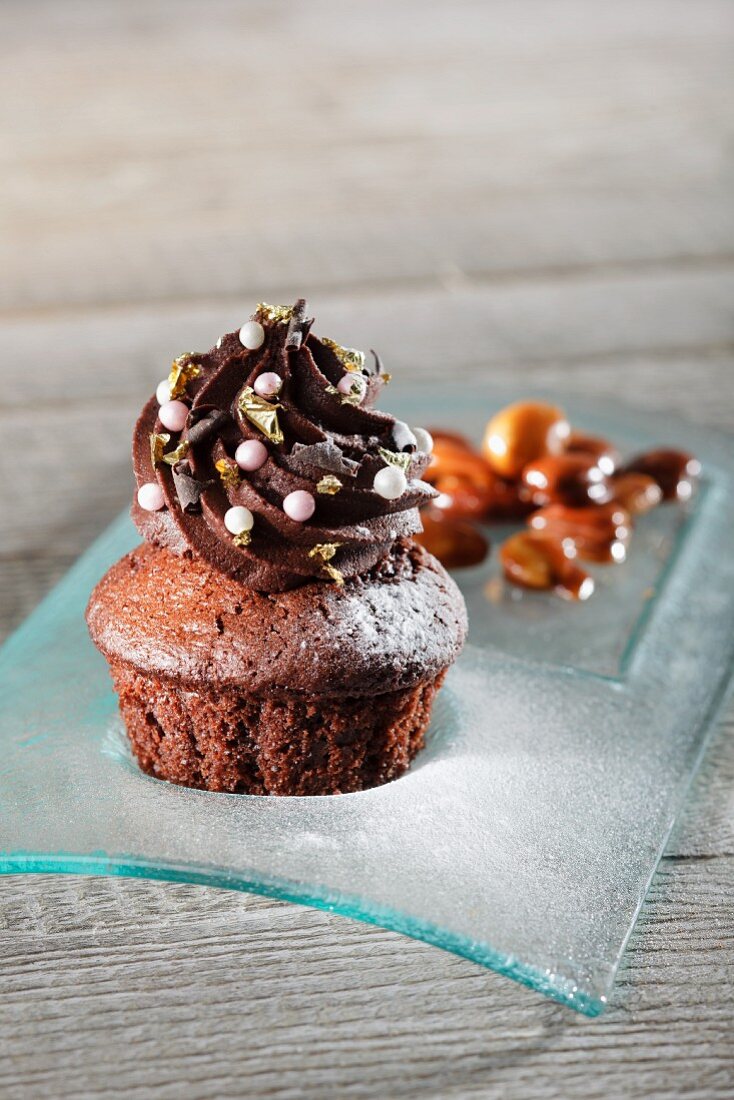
(298, 326)
(188, 488)
(204, 422)
(325, 455)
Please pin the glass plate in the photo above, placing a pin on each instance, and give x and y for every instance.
(525, 835)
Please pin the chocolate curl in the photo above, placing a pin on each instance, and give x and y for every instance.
(298, 326)
(188, 488)
(205, 422)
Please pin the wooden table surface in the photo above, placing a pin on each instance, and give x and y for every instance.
(540, 191)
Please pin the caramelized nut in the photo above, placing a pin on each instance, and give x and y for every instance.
(510, 501)
(462, 477)
(454, 542)
(534, 559)
(607, 456)
(676, 472)
(522, 432)
(462, 498)
(638, 493)
(599, 533)
(573, 479)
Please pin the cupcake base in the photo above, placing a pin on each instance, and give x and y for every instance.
(318, 690)
(227, 741)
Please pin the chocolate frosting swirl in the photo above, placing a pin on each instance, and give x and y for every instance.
(318, 440)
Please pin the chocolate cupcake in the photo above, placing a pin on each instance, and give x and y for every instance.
(279, 632)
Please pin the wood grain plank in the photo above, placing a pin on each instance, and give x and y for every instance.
(298, 1003)
(494, 140)
(573, 323)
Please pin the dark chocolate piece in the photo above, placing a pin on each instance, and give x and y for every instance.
(203, 422)
(377, 368)
(188, 487)
(298, 326)
(326, 455)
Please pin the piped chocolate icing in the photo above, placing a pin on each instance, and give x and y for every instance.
(319, 439)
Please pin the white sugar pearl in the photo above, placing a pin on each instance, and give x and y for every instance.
(268, 384)
(299, 505)
(252, 335)
(173, 415)
(390, 483)
(150, 497)
(353, 385)
(163, 392)
(251, 455)
(238, 519)
(423, 439)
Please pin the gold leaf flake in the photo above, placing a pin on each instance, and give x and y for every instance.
(263, 414)
(350, 358)
(333, 572)
(182, 371)
(326, 551)
(329, 484)
(158, 444)
(229, 473)
(243, 539)
(346, 398)
(386, 377)
(275, 315)
(177, 453)
(400, 459)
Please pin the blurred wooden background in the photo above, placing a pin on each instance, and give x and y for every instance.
(539, 190)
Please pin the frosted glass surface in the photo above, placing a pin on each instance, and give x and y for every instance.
(526, 834)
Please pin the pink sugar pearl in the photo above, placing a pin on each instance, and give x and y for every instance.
(268, 384)
(150, 497)
(251, 455)
(351, 384)
(172, 415)
(300, 505)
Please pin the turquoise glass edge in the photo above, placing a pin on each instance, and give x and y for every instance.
(12, 863)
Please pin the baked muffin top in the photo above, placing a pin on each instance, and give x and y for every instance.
(182, 620)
